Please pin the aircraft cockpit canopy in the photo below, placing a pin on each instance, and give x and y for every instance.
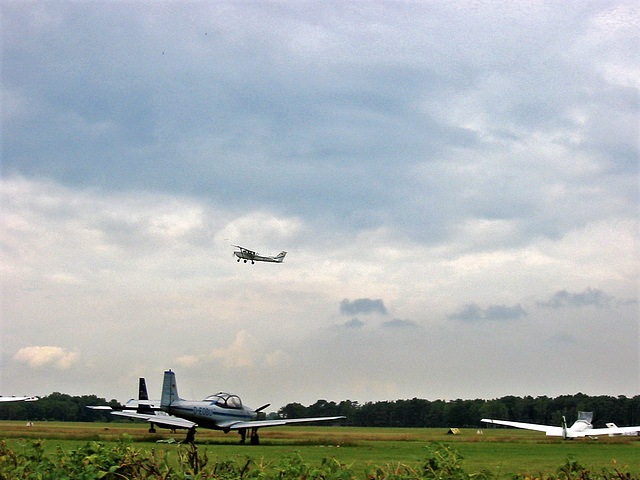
(585, 416)
(225, 400)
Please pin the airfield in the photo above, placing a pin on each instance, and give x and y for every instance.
(503, 452)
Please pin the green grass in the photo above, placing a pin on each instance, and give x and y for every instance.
(503, 452)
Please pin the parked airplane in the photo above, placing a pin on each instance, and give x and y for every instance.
(142, 408)
(581, 428)
(222, 411)
(249, 255)
(18, 399)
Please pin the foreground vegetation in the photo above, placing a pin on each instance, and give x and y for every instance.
(107, 450)
(94, 460)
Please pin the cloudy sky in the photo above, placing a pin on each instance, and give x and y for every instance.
(455, 183)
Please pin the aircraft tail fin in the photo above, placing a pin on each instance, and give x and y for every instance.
(169, 389)
(280, 256)
(142, 390)
(143, 398)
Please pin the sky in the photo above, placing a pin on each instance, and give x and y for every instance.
(456, 185)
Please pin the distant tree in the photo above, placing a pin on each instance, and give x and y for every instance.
(58, 406)
(463, 413)
(543, 410)
(494, 409)
(293, 410)
(322, 408)
(349, 410)
(435, 416)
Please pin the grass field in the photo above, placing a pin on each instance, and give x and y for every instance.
(501, 451)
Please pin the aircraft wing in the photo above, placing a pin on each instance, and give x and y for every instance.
(244, 250)
(167, 421)
(137, 405)
(548, 429)
(275, 423)
(612, 431)
(18, 399)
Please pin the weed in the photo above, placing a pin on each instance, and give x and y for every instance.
(122, 460)
(573, 470)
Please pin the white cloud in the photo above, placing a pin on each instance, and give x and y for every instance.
(277, 358)
(43, 356)
(241, 353)
(188, 361)
(261, 227)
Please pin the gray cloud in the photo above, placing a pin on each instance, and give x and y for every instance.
(362, 305)
(590, 297)
(474, 313)
(398, 323)
(343, 119)
(354, 323)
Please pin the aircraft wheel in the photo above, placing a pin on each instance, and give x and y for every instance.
(255, 439)
(191, 435)
(245, 261)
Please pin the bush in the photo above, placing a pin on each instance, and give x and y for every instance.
(122, 461)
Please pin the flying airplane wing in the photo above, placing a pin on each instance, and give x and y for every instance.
(548, 429)
(161, 419)
(274, 423)
(18, 399)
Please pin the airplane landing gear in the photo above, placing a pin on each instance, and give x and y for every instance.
(191, 435)
(152, 428)
(254, 439)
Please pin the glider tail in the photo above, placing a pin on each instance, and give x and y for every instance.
(280, 256)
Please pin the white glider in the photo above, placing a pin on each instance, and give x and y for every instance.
(581, 428)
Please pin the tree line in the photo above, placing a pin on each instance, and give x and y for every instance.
(58, 407)
(416, 412)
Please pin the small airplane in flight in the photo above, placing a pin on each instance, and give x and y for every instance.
(18, 399)
(249, 255)
(581, 428)
(222, 411)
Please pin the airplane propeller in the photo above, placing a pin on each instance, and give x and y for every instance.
(259, 409)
